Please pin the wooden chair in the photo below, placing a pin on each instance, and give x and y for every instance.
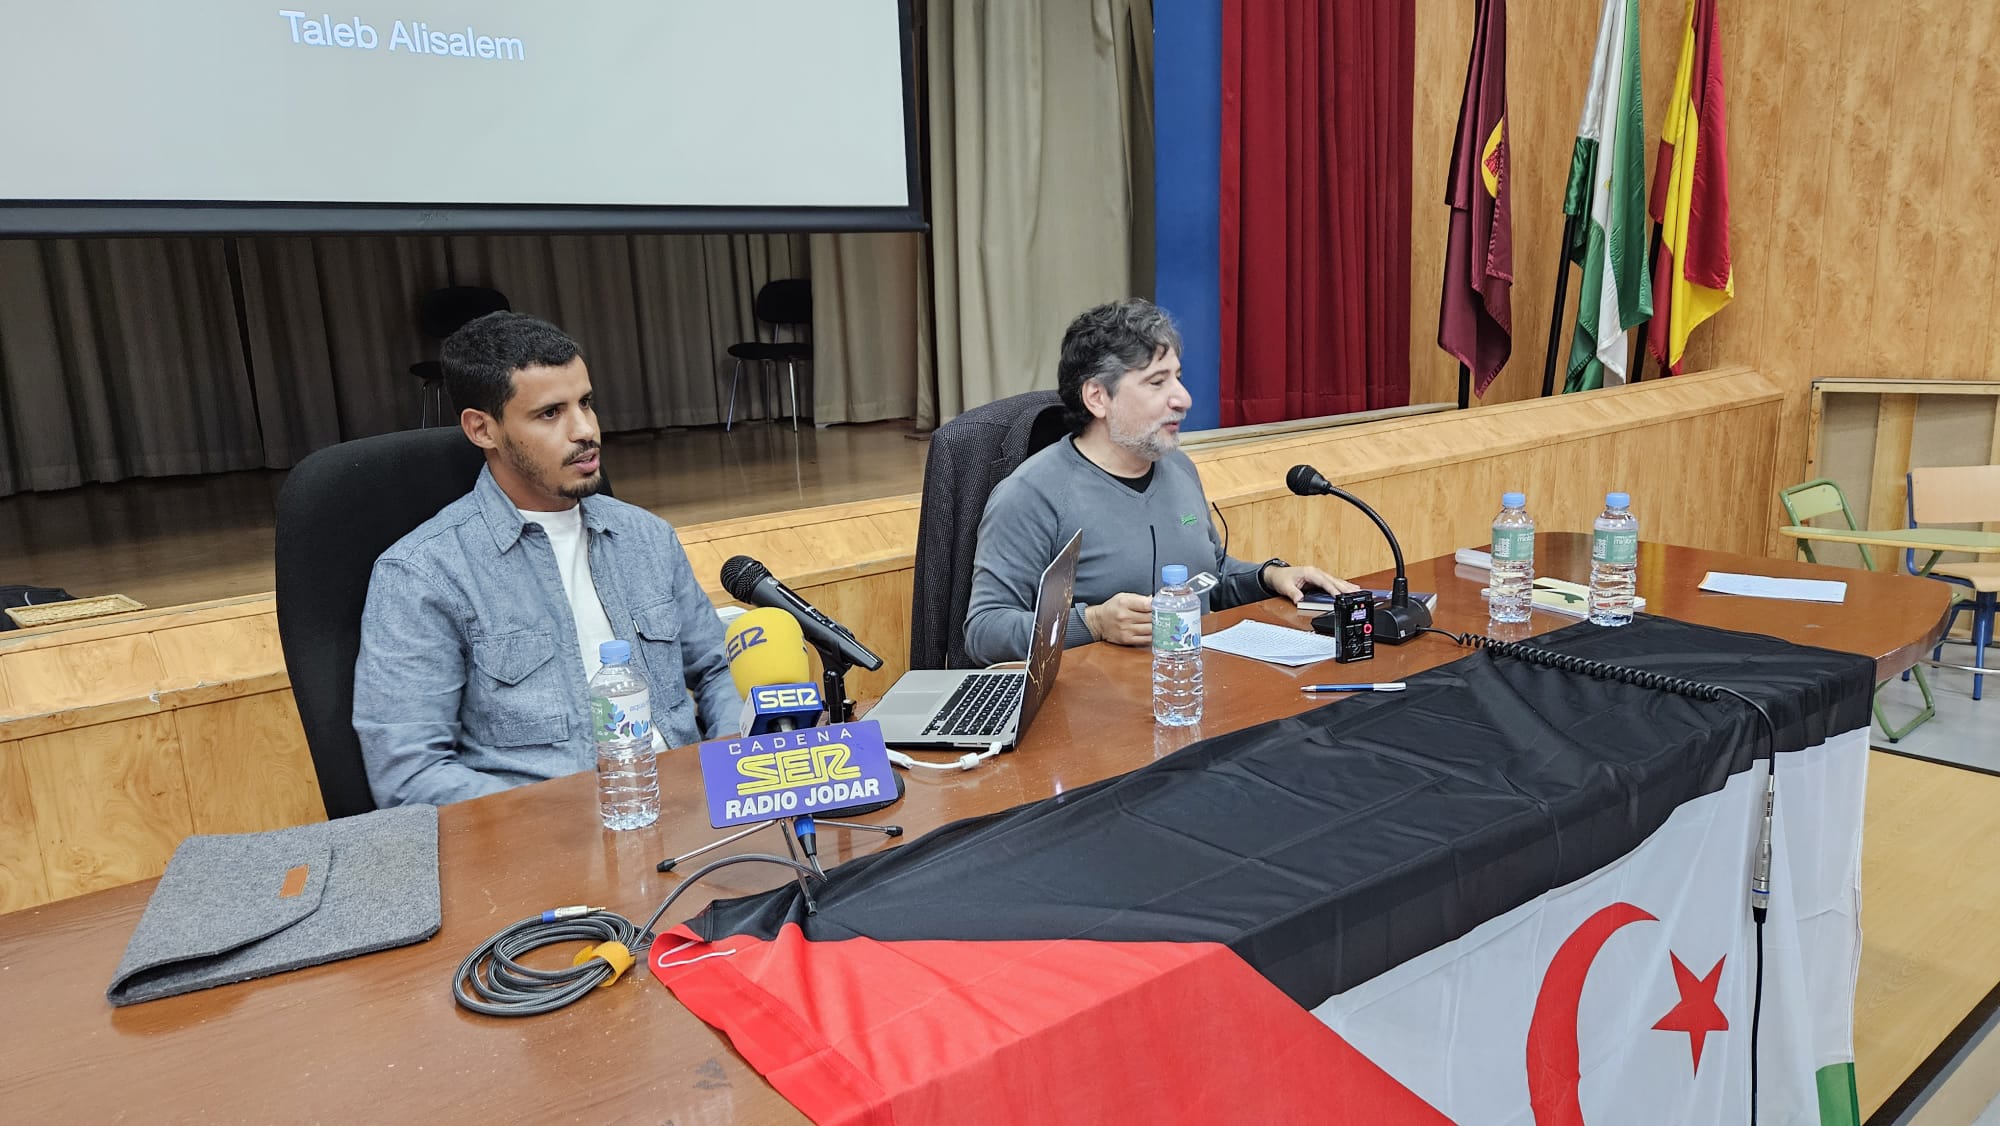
(1819, 497)
(1960, 494)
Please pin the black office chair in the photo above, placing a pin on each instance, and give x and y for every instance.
(441, 313)
(780, 304)
(340, 509)
(969, 456)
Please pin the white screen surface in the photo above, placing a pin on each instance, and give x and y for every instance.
(616, 103)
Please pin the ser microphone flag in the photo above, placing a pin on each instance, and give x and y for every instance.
(772, 672)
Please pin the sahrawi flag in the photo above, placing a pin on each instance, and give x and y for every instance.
(1607, 193)
(1691, 194)
(1475, 314)
(1508, 895)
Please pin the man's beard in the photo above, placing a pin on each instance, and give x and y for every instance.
(1153, 444)
(553, 482)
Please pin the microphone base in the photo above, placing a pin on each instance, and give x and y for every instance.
(1395, 625)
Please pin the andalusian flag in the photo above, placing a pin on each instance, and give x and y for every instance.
(1691, 194)
(1607, 183)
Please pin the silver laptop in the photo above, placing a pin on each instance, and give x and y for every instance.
(971, 708)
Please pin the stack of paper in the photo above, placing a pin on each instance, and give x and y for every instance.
(1262, 641)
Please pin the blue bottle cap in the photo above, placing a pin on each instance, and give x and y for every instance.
(1513, 500)
(1617, 500)
(1173, 574)
(613, 652)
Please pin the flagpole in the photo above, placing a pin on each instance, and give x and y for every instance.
(1556, 316)
(1652, 271)
(1464, 387)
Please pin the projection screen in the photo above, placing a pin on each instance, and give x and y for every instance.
(143, 116)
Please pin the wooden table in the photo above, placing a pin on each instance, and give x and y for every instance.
(380, 1038)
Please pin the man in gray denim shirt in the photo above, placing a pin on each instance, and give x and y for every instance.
(481, 629)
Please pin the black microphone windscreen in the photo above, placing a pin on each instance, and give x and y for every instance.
(740, 575)
(1306, 481)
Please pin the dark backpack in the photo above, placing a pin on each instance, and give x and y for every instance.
(28, 596)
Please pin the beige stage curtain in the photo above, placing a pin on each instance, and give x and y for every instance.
(1041, 183)
(871, 326)
(119, 358)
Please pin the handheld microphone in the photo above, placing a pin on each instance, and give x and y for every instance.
(768, 662)
(1760, 872)
(1401, 619)
(747, 580)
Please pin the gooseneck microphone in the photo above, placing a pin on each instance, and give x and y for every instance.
(750, 581)
(1401, 619)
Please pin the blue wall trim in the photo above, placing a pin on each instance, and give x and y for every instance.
(1187, 142)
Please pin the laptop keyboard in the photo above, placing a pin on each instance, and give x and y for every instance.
(981, 705)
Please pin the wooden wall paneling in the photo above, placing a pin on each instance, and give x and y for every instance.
(248, 767)
(1797, 234)
(64, 676)
(210, 652)
(1904, 285)
(1966, 273)
(877, 608)
(23, 882)
(1865, 134)
(1895, 425)
(110, 801)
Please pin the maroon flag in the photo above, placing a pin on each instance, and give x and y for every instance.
(1475, 316)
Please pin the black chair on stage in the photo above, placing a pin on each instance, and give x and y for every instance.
(785, 304)
(340, 509)
(969, 456)
(441, 313)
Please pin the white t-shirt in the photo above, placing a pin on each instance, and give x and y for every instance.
(572, 547)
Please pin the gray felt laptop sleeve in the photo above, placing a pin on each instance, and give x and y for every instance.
(232, 908)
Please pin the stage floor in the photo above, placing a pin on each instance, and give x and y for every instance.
(169, 541)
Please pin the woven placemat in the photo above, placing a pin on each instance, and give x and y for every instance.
(49, 613)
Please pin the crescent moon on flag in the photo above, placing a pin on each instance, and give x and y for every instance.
(1553, 1067)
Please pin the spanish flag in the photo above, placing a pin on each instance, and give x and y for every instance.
(1692, 279)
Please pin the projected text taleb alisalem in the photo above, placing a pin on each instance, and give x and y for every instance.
(412, 36)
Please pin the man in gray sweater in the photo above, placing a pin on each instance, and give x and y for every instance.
(1121, 478)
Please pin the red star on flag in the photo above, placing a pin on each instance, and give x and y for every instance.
(1697, 1014)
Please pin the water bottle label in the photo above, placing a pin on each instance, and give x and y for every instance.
(1176, 631)
(617, 720)
(1615, 548)
(1513, 545)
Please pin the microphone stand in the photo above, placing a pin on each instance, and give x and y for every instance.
(839, 709)
(1401, 620)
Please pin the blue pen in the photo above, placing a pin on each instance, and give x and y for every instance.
(1387, 686)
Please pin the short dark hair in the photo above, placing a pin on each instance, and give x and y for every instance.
(481, 358)
(1104, 343)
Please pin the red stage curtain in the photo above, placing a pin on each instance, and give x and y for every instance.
(1315, 207)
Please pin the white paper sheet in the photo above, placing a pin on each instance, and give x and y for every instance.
(1765, 586)
(1262, 641)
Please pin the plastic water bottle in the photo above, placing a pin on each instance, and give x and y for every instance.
(1176, 649)
(621, 723)
(1614, 561)
(1510, 590)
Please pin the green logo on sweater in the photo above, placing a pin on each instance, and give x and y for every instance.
(1188, 519)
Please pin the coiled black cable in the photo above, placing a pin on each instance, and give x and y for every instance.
(1569, 662)
(492, 980)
